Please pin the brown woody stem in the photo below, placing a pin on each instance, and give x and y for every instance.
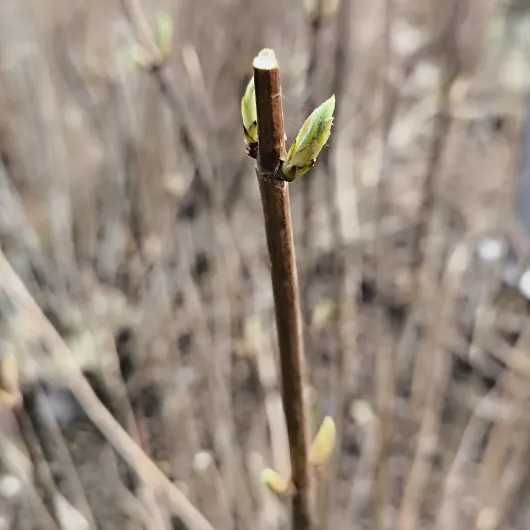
(278, 227)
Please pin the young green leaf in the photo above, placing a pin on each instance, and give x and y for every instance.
(164, 33)
(274, 481)
(250, 117)
(309, 142)
(323, 444)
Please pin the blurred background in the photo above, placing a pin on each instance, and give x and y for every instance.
(133, 252)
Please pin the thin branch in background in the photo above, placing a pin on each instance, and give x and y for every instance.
(363, 481)
(205, 168)
(55, 450)
(278, 228)
(384, 359)
(213, 500)
(510, 485)
(142, 30)
(156, 67)
(134, 422)
(18, 464)
(220, 408)
(307, 185)
(502, 468)
(450, 70)
(347, 275)
(438, 377)
(461, 470)
(230, 265)
(426, 274)
(41, 472)
(20, 237)
(268, 377)
(442, 122)
(22, 310)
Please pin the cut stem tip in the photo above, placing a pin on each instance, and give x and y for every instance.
(266, 60)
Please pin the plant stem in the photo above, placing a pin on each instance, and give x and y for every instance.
(278, 228)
